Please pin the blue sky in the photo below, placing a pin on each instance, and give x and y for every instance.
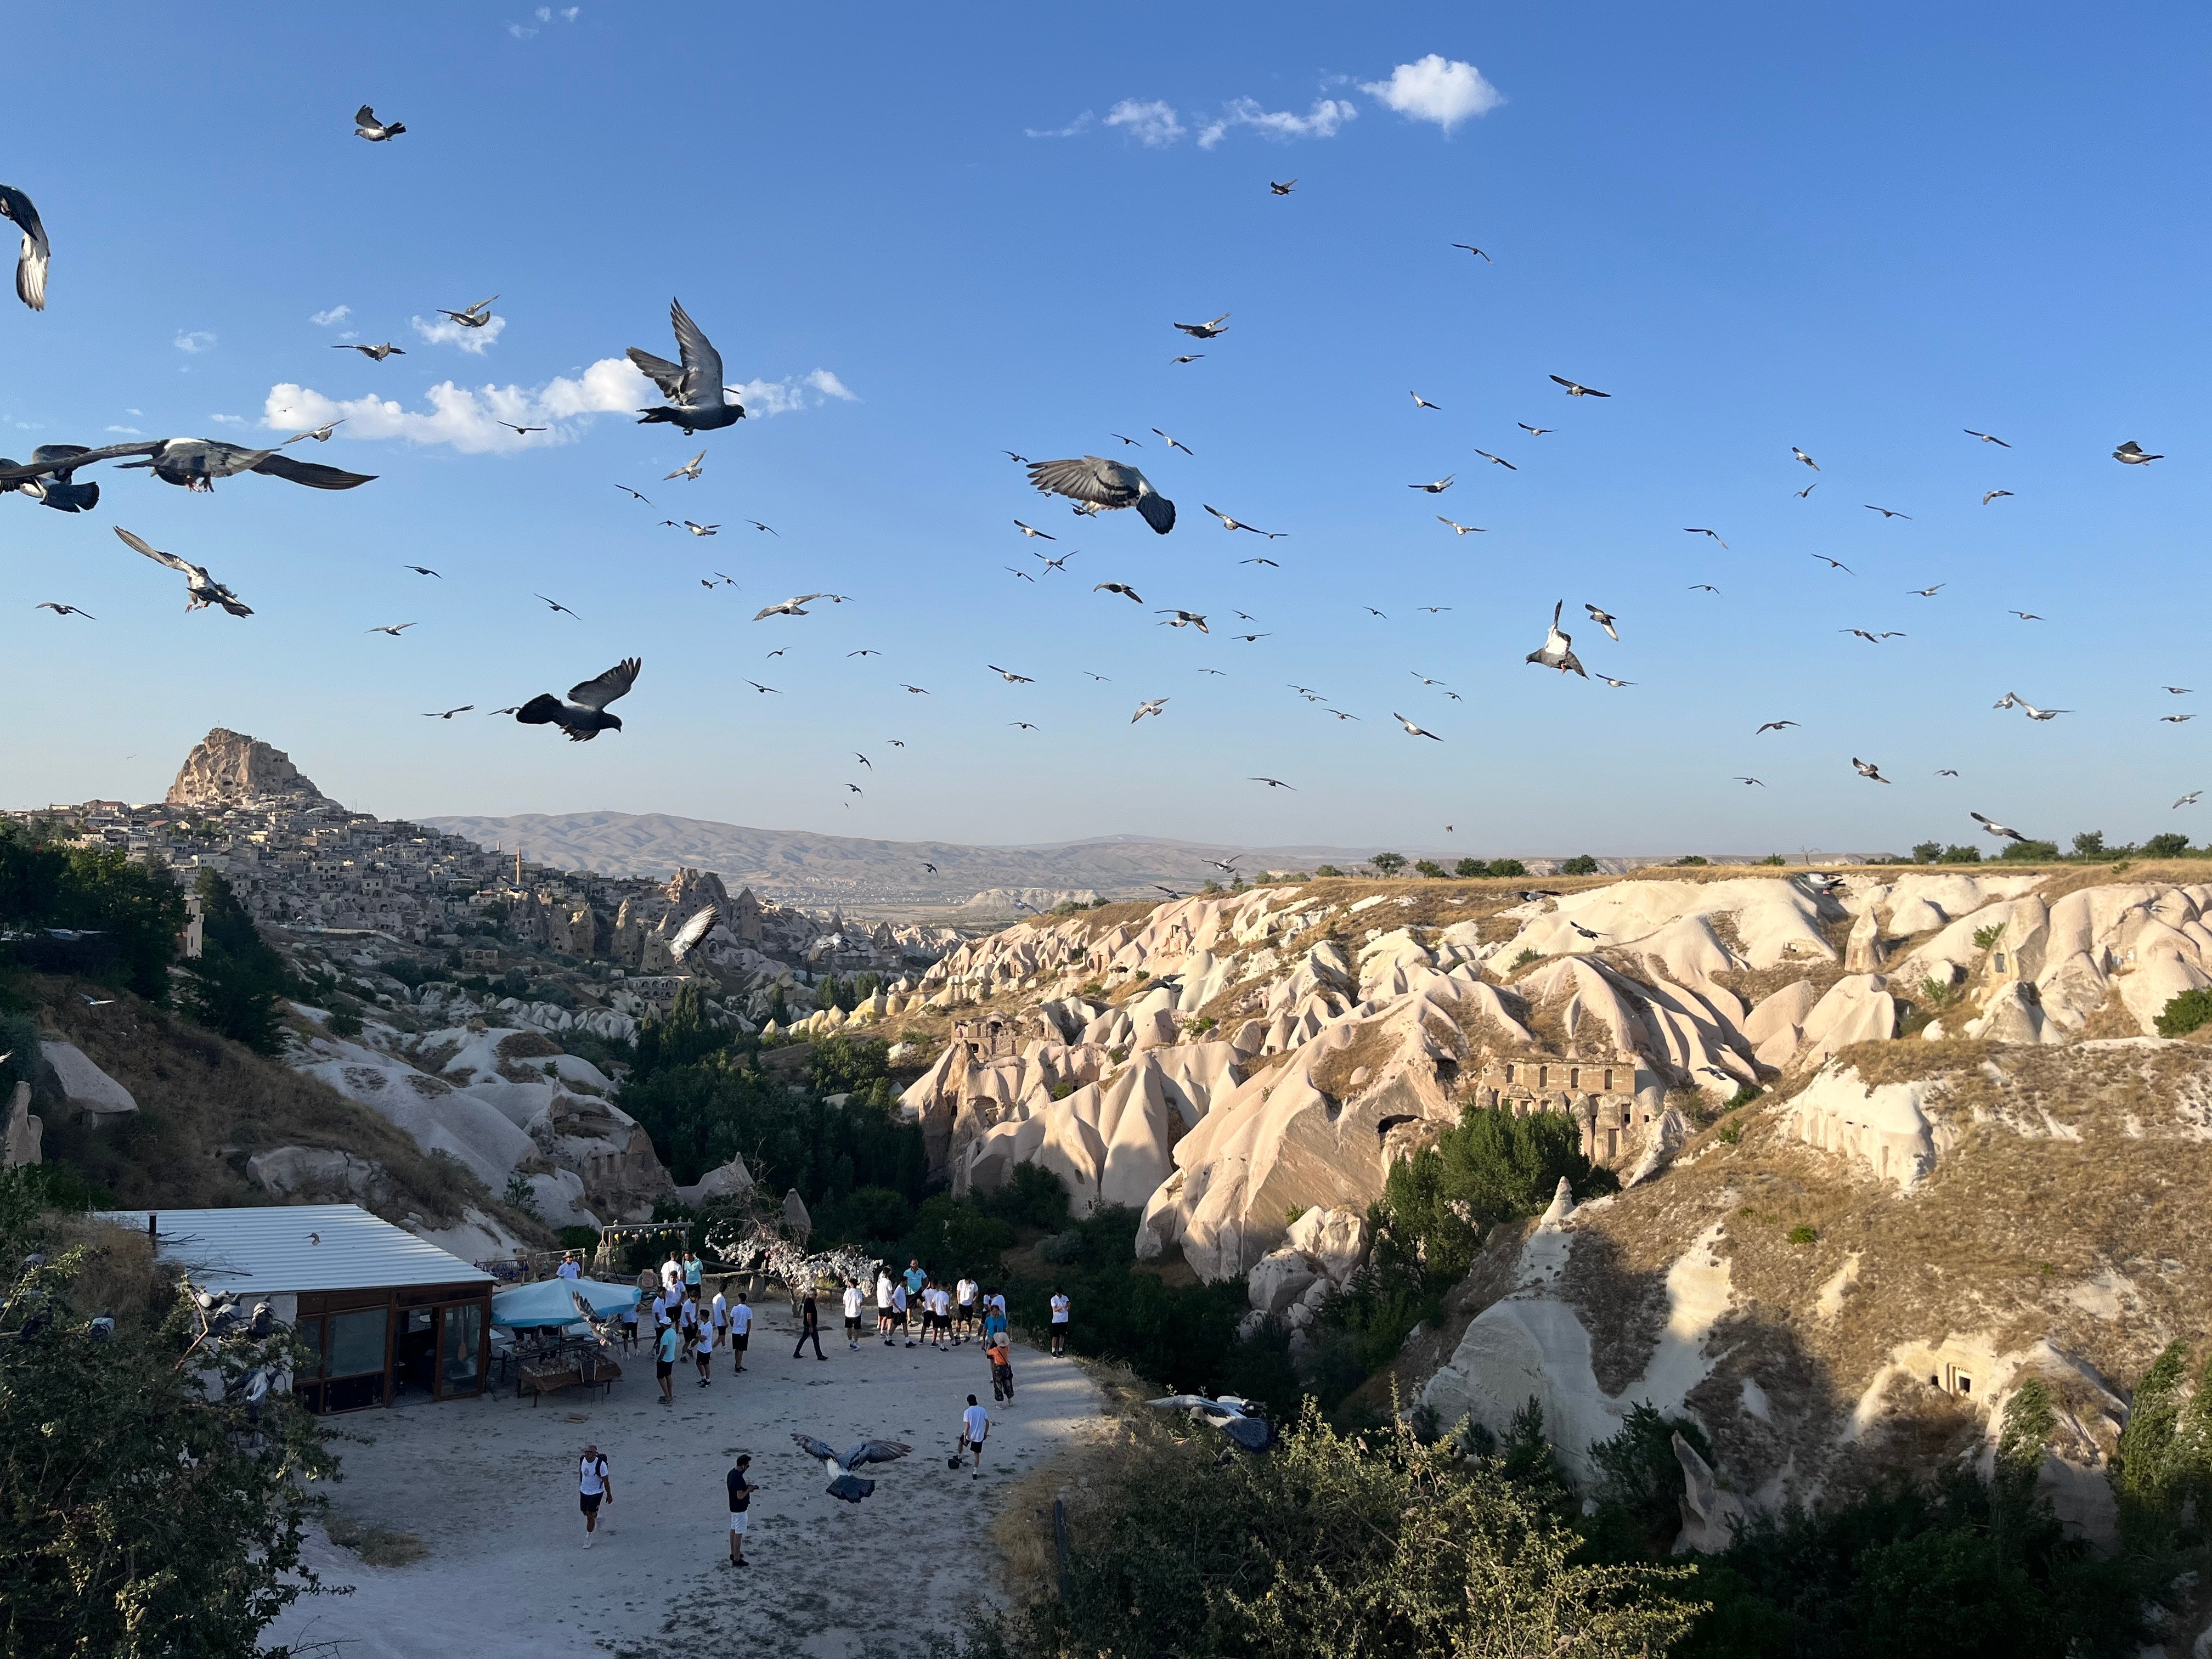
(1857, 233)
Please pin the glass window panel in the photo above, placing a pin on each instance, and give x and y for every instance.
(461, 1353)
(310, 1332)
(356, 1342)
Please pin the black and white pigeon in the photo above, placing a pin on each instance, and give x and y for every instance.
(1204, 330)
(366, 125)
(2130, 453)
(375, 354)
(691, 933)
(30, 262)
(1604, 619)
(201, 589)
(584, 715)
(693, 387)
(1096, 482)
(194, 463)
(1241, 1420)
(843, 1483)
(477, 316)
(1868, 770)
(1996, 829)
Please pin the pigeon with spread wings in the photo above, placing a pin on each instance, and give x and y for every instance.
(30, 262)
(691, 933)
(201, 590)
(843, 1483)
(194, 463)
(693, 387)
(1096, 483)
(584, 715)
(1557, 648)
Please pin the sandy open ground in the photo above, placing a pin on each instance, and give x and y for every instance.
(491, 1487)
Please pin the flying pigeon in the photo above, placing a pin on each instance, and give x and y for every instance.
(1274, 783)
(1985, 438)
(1868, 770)
(1131, 442)
(790, 607)
(1803, 457)
(1993, 494)
(1152, 707)
(690, 469)
(1927, 592)
(1420, 402)
(1801, 494)
(1175, 443)
(1699, 529)
(393, 628)
(475, 317)
(1459, 528)
(694, 389)
(1774, 725)
(194, 463)
(201, 590)
(1411, 730)
(1097, 483)
(1439, 487)
(1237, 1417)
(1476, 251)
(1122, 588)
(584, 715)
(1996, 828)
(30, 262)
(366, 125)
(321, 433)
(1756, 780)
(1186, 619)
(1191, 358)
(1497, 460)
(2189, 799)
(449, 714)
(1557, 648)
(63, 610)
(1008, 676)
(1534, 431)
(1279, 190)
(1618, 685)
(375, 354)
(1833, 564)
(556, 605)
(1027, 531)
(1575, 391)
(1228, 523)
(843, 1483)
(2130, 453)
(1888, 513)
(1604, 619)
(1204, 330)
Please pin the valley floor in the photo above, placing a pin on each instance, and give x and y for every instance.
(489, 1486)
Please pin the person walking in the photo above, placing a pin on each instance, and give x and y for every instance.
(974, 1425)
(741, 1328)
(702, 1349)
(1001, 1352)
(810, 1324)
(595, 1486)
(670, 1344)
(719, 1310)
(883, 1305)
(1059, 1306)
(692, 1269)
(964, 1325)
(853, 1302)
(741, 1492)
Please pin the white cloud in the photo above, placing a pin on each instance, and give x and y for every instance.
(193, 343)
(1434, 88)
(1081, 122)
(335, 315)
(569, 14)
(1323, 121)
(446, 331)
(520, 33)
(227, 420)
(347, 334)
(134, 411)
(128, 431)
(1153, 124)
(469, 419)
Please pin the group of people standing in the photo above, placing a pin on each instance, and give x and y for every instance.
(686, 1327)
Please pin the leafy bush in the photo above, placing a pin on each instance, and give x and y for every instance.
(580, 1238)
(1774, 858)
(1428, 867)
(344, 1019)
(521, 1195)
(2031, 851)
(1033, 1197)
(1958, 854)
(2170, 845)
(1327, 869)
(1985, 937)
(1581, 864)
(1470, 867)
(2184, 1013)
(1692, 858)
(1507, 867)
(1059, 1248)
(1801, 1234)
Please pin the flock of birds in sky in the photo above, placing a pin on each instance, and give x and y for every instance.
(697, 400)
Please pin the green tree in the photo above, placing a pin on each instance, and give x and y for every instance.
(1470, 867)
(144, 1520)
(1430, 868)
(1581, 864)
(2031, 851)
(1492, 1166)
(1926, 852)
(235, 985)
(2184, 1013)
(1507, 867)
(686, 1033)
(1955, 854)
(1692, 858)
(1373, 1545)
(1327, 869)
(2170, 845)
(2090, 846)
(1388, 864)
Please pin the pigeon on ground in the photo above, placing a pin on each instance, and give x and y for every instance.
(1204, 330)
(1097, 483)
(843, 1483)
(30, 262)
(1557, 648)
(201, 590)
(375, 354)
(584, 715)
(693, 389)
(366, 125)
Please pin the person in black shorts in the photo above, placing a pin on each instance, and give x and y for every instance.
(595, 1486)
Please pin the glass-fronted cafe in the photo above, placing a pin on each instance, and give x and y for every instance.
(388, 1316)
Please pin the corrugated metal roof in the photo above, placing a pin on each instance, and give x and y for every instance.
(298, 1247)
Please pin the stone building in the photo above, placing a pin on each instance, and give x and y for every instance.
(1601, 1094)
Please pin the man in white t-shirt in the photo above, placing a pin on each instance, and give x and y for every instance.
(720, 1310)
(940, 1313)
(741, 1327)
(899, 1314)
(974, 1425)
(1059, 1320)
(964, 1325)
(884, 1306)
(595, 1486)
(853, 1302)
(672, 1276)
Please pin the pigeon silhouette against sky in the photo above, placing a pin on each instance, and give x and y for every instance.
(1557, 648)
(201, 590)
(693, 387)
(375, 354)
(366, 125)
(584, 715)
(31, 261)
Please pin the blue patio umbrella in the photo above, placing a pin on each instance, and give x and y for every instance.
(553, 1302)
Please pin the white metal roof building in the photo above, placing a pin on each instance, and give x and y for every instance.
(387, 1312)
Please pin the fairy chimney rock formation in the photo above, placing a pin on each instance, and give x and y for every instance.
(229, 769)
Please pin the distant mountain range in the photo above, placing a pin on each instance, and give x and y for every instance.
(796, 866)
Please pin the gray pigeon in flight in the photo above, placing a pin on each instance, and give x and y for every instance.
(366, 125)
(30, 262)
(1557, 648)
(584, 715)
(693, 389)
(201, 590)
(195, 463)
(1097, 483)
(843, 1482)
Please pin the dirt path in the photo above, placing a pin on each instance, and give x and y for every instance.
(491, 1487)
